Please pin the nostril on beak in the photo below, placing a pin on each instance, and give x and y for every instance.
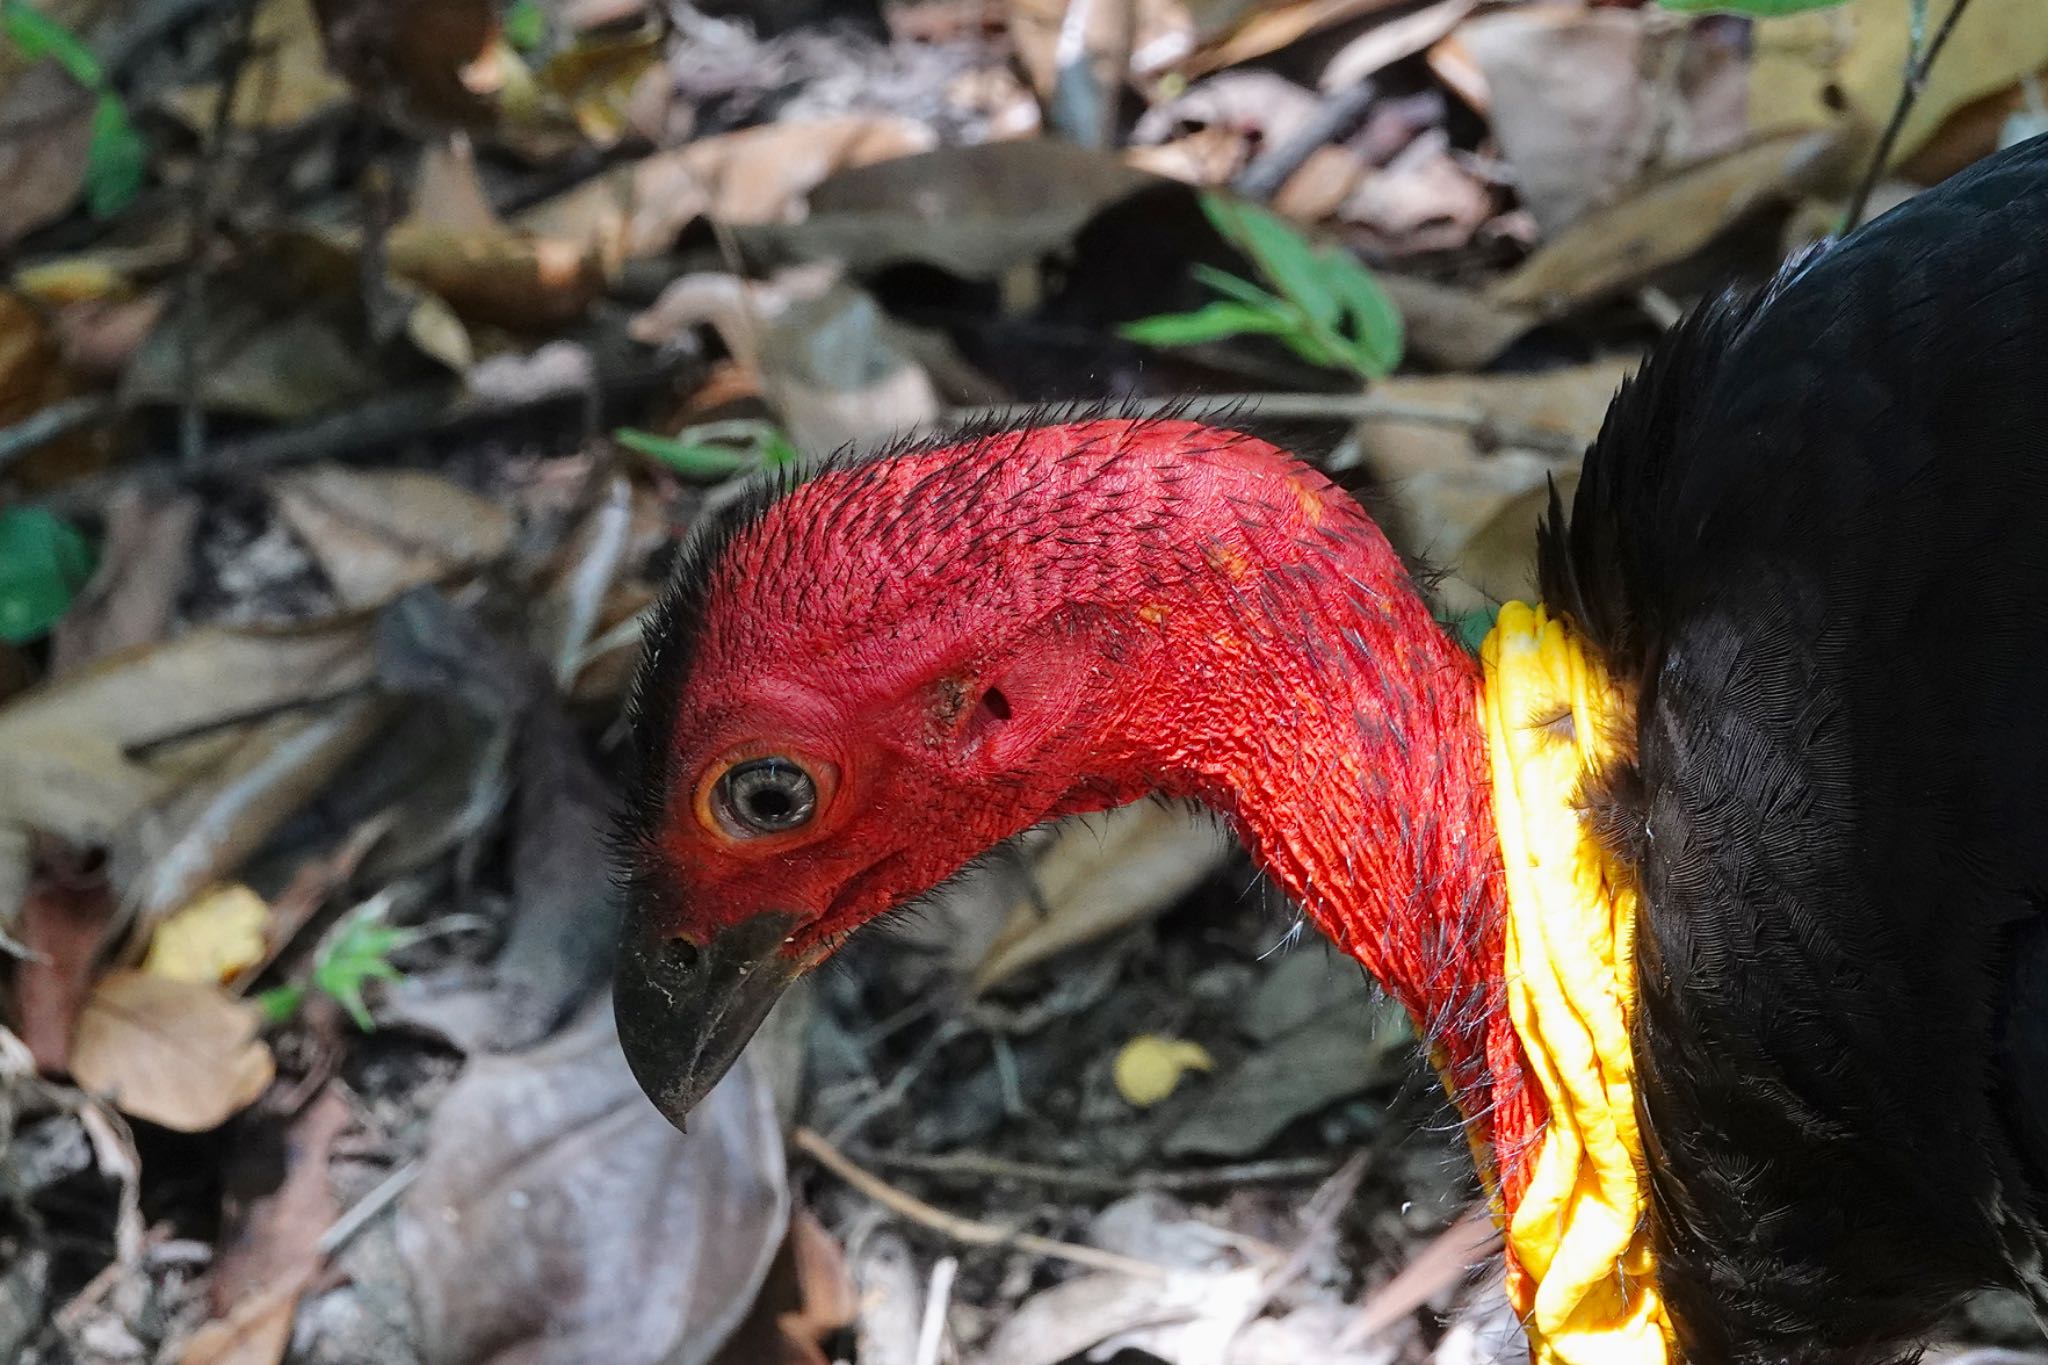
(680, 954)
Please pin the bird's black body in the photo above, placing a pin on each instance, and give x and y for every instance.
(1814, 531)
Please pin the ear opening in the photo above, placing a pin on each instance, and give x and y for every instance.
(989, 712)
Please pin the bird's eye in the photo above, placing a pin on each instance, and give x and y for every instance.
(765, 796)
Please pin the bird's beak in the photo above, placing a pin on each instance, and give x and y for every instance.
(686, 1012)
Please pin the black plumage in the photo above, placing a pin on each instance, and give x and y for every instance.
(1814, 531)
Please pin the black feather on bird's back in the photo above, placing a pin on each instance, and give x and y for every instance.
(1814, 533)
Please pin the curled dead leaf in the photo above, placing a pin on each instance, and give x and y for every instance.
(176, 1053)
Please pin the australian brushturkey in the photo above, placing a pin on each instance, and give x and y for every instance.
(1716, 883)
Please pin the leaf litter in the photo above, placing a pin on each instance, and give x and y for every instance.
(360, 370)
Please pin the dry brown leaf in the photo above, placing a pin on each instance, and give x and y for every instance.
(1276, 26)
(446, 192)
(1205, 157)
(63, 925)
(287, 80)
(271, 1247)
(1331, 177)
(257, 1330)
(1450, 490)
(508, 279)
(1588, 103)
(1100, 876)
(1445, 1262)
(419, 56)
(377, 533)
(256, 780)
(809, 1296)
(1666, 221)
(1424, 200)
(756, 175)
(31, 362)
(557, 1215)
(1391, 40)
(1162, 36)
(45, 130)
(174, 1053)
(1814, 70)
(67, 760)
(144, 564)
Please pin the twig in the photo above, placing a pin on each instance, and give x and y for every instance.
(1333, 119)
(931, 1334)
(1444, 1261)
(427, 410)
(966, 1231)
(199, 235)
(1909, 95)
(345, 1229)
(976, 1166)
(47, 424)
(1336, 407)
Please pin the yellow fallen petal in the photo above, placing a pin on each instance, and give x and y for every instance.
(1149, 1067)
(211, 938)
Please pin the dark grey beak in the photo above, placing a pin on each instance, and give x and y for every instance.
(686, 1012)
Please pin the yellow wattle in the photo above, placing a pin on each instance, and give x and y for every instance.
(1578, 1232)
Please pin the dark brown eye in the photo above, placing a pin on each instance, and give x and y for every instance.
(765, 796)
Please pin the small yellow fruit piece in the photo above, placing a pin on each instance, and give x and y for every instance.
(213, 937)
(1149, 1067)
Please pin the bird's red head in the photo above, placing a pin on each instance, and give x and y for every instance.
(861, 682)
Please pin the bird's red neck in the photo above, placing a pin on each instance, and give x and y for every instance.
(1300, 685)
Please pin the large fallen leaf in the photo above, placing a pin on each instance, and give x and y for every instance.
(974, 211)
(63, 926)
(377, 533)
(1272, 27)
(1102, 875)
(1588, 102)
(45, 129)
(287, 80)
(1818, 69)
(756, 175)
(262, 351)
(1666, 221)
(1324, 1034)
(1450, 488)
(558, 1216)
(70, 760)
(225, 810)
(497, 276)
(809, 1297)
(271, 1247)
(175, 1053)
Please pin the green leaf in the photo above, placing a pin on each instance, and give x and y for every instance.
(280, 1003)
(525, 25)
(1231, 287)
(1212, 322)
(39, 36)
(1754, 9)
(1375, 329)
(692, 459)
(1280, 252)
(116, 160)
(44, 561)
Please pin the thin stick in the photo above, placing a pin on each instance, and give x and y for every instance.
(1333, 119)
(1337, 407)
(47, 424)
(205, 191)
(931, 1334)
(1909, 95)
(346, 1228)
(974, 1165)
(966, 1231)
